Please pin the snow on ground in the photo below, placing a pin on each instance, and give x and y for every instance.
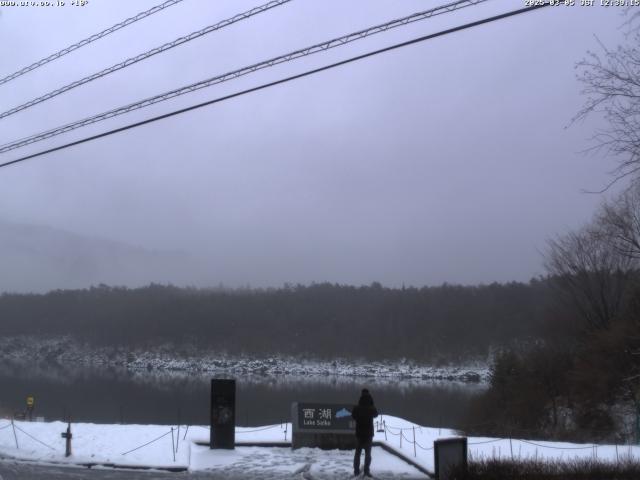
(155, 445)
(265, 462)
(65, 350)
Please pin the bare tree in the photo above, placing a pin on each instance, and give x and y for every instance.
(611, 82)
(620, 221)
(589, 272)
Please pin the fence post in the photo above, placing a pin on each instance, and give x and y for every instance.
(68, 437)
(414, 442)
(173, 446)
(385, 430)
(14, 434)
(178, 438)
(511, 447)
(401, 439)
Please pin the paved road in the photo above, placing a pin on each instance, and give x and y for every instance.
(24, 471)
(10, 470)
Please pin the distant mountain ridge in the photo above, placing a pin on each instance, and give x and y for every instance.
(37, 258)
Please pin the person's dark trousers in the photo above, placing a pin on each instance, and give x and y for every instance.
(362, 444)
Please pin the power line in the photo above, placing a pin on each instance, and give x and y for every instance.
(143, 56)
(317, 48)
(278, 82)
(88, 40)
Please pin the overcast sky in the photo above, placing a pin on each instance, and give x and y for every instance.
(445, 161)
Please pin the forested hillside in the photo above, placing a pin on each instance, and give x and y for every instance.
(324, 320)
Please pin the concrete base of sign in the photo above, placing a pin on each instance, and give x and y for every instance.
(325, 441)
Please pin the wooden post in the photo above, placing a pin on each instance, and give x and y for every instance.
(511, 447)
(385, 429)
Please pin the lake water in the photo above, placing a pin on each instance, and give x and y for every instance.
(113, 396)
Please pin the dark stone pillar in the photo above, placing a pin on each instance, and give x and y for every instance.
(223, 413)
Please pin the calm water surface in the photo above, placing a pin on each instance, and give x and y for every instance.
(112, 395)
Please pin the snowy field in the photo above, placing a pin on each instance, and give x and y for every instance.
(162, 446)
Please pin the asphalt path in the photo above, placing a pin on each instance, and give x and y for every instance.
(17, 470)
(12, 470)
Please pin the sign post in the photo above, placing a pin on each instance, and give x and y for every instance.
(67, 435)
(30, 405)
(223, 414)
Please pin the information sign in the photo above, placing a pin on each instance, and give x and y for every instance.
(322, 416)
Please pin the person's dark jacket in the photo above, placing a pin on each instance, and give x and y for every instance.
(363, 414)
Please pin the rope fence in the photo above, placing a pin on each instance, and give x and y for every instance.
(259, 429)
(402, 436)
(415, 444)
(558, 448)
(487, 441)
(148, 443)
(424, 448)
(32, 437)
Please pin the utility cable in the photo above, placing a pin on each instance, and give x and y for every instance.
(143, 56)
(278, 82)
(321, 47)
(88, 40)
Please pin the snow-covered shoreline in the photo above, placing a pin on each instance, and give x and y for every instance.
(69, 351)
(154, 446)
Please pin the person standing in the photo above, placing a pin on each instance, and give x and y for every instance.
(363, 414)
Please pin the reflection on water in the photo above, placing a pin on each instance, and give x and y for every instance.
(112, 395)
